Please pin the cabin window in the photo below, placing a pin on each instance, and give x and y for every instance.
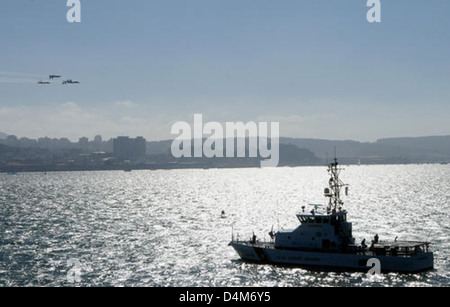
(326, 220)
(311, 219)
(318, 219)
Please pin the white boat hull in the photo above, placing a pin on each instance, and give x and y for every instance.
(332, 261)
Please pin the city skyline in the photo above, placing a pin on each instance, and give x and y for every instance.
(317, 67)
(46, 154)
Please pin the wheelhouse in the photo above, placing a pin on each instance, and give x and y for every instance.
(322, 218)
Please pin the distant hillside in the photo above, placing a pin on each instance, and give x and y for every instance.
(436, 144)
(322, 148)
(289, 155)
(389, 150)
(3, 136)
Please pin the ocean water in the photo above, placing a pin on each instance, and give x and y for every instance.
(164, 227)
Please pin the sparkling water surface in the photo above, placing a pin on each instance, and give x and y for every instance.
(165, 228)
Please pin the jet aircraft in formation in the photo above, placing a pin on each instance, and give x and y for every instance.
(51, 77)
(70, 82)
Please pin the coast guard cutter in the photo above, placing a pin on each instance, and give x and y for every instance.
(324, 241)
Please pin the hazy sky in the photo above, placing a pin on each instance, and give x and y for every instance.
(316, 66)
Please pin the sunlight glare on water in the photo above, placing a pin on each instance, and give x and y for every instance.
(164, 228)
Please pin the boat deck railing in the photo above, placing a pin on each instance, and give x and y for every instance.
(400, 248)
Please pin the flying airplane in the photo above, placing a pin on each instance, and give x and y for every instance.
(53, 77)
(43, 82)
(70, 82)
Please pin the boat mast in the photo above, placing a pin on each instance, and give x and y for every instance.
(335, 185)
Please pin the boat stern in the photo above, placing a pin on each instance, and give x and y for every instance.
(423, 262)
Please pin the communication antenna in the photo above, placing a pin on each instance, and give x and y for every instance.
(335, 185)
